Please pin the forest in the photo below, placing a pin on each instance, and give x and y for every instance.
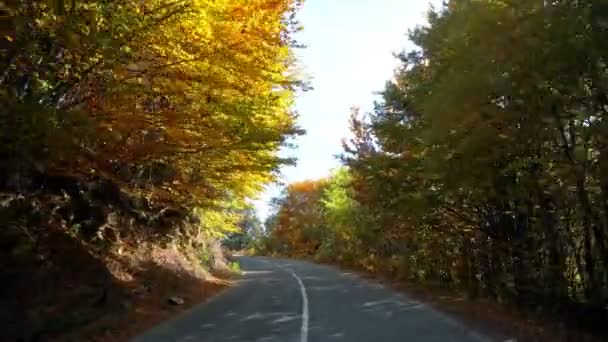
(136, 132)
(483, 167)
(126, 124)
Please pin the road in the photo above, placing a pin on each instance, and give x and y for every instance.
(294, 301)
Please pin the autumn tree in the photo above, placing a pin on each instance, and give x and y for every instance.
(482, 167)
(487, 141)
(181, 105)
(297, 226)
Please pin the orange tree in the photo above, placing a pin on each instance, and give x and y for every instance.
(298, 224)
(183, 102)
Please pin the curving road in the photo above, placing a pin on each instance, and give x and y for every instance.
(294, 301)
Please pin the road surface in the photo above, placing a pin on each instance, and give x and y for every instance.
(280, 300)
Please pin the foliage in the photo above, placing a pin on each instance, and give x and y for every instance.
(298, 223)
(182, 104)
(249, 228)
(484, 167)
(235, 267)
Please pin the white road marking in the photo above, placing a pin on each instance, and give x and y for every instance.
(305, 314)
(304, 333)
(400, 297)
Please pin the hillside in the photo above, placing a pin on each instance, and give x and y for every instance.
(132, 135)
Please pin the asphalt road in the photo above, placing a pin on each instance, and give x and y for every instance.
(285, 300)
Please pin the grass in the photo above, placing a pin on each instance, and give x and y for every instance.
(235, 267)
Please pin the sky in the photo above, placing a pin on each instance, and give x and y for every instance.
(348, 57)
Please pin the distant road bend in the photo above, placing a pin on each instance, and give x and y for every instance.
(294, 301)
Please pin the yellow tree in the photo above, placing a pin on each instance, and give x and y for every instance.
(203, 86)
(209, 93)
(185, 102)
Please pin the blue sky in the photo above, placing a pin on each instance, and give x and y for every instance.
(349, 56)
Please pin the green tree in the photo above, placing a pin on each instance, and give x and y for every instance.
(483, 167)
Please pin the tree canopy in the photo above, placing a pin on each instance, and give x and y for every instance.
(483, 167)
(184, 103)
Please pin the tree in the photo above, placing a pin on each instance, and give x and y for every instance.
(482, 167)
(249, 229)
(298, 224)
(183, 103)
